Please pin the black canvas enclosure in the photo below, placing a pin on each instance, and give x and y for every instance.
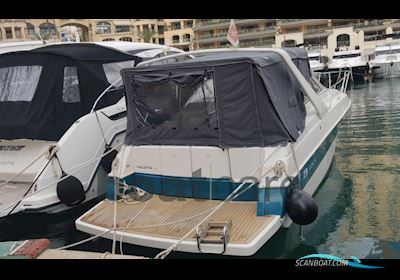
(230, 99)
(43, 91)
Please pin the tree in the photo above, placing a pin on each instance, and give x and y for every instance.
(146, 35)
(42, 36)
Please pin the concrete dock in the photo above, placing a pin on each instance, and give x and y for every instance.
(39, 249)
(72, 254)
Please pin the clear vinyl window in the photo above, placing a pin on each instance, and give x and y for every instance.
(71, 93)
(175, 105)
(19, 83)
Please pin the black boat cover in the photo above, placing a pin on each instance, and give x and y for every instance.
(231, 99)
(43, 91)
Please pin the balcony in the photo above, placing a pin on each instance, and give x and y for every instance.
(317, 32)
(297, 22)
(12, 20)
(211, 22)
(258, 43)
(244, 33)
(224, 23)
(370, 25)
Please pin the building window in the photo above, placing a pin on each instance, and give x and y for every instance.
(292, 30)
(161, 29)
(161, 41)
(288, 43)
(175, 25)
(186, 38)
(222, 32)
(18, 34)
(146, 26)
(343, 40)
(152, 28)
(9, 34)
(126, 39)
(30, 28)
(154, 40)
(122, 28)
(47, 28)
(108, 39)
(188, 24)
(175, 39)
(103, 28)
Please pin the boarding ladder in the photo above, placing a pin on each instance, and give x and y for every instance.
(213, 232)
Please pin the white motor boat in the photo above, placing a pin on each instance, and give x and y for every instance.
(221, 151)
(20, 46)
(348, 60)
(386, 62)
(315, 62)
(56, 125)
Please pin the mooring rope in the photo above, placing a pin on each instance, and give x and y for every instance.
(23, 170)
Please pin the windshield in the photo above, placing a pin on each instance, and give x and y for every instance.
(113, 70)
(19, 83)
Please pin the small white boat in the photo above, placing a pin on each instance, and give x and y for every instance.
(386, 62)
(349, 60)
(56, 125)
(221, 151)
(20, 46)
(315, 61)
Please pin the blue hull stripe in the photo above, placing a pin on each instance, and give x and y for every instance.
(189, 187)
(270, 200)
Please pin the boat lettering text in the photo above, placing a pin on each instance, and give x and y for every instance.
(10, 148)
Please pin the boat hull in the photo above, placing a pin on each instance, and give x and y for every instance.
(386, 70)
(358, 72)
(244, 249)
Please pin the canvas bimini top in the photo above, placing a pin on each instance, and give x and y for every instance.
(233, 99)
(43, 91)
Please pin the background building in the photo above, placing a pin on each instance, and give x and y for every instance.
(179, 33)
(149, 30)
(12, 29)
(188, 34)
(211, 33)
(329, 34)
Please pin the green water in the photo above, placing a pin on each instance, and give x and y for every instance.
(359, 203)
